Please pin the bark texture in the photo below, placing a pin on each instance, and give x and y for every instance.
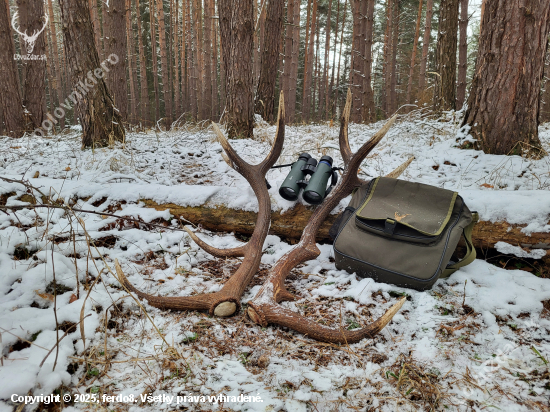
(425, 46)
(116, 44)
(237, 30)
(32, 19)
(504, 100)
(164, 63)
(144, 94)
(413, 56)
(265, 95)
(101, 121)
(462, 55)
(445, 90)
(10, 95)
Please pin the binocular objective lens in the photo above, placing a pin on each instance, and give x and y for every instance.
(312, 198)
(288, 194)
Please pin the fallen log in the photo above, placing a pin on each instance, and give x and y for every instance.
(290, 224)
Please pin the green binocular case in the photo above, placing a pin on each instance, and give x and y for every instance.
(404, 233)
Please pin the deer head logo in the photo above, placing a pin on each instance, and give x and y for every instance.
(29, 40)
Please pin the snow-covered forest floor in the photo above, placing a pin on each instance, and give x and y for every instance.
(478, 340)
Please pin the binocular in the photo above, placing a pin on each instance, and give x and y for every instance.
(315, 188)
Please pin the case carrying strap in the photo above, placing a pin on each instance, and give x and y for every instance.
(470, 249)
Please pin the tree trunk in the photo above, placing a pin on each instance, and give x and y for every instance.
(340, 59)
(152, 26)
(207, 108)
(101, 121)
(323, 92)
(32, 20)
(237, 43)
(425, 46)
(545, 101)
(56, 60)
(131, 62)
(10, 95)
(445, 90)
(308, 67)
(215, 86)
(192, 60)
(462, 55)
(395, 41)
(369, 111)
(265, 95)
(388, 40)
(144, 97)
(331, 87)
(95, 23)
(504, 100)
(176, 78)
(199, 60)
(164, 64)
(413, 57)
(288, 56)
(293, 86)
(357, 66)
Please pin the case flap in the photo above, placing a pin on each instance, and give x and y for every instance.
(423, 208)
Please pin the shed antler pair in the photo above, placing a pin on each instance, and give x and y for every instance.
(265, 308)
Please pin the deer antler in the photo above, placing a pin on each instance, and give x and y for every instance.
(227, 301)
(265, 308)
(30, 40)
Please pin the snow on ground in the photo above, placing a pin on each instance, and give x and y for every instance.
(478, 340)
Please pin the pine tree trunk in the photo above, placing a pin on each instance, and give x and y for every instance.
(95, 25)
(198, 58)
(132, 72)
(10, 95)
(237, 43)
(32, 20)
(504, 100)
(152, 26)
(164, 64)
(395, 26)
(323, 92)
(183, 60)
(215, 86)
(445, 89)
(330, 91)
(340, 59)
(56, 60)
(293, 86)
(288, 56)
(144, 95)
(192, 60)
(388, 40)
(105, 26)
(176, 66)
(100, 121)
(425, 47)
(369, 111)
(462, 55)
(308, 67)
(413, 56)
(265, 95)
(208, 13)
(357, 66)
(545, 101)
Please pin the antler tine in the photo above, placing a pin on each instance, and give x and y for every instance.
(227, 301)
(289, 319)
(343, 139)
(265, 308)
(219, 253)
(13, 24)
(400, 169)
(277, 147)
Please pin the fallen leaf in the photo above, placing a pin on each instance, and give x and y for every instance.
(36, 175)
(46, 296)
(68, 168)
(161, 281)
(73, 298)
(487, 185)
